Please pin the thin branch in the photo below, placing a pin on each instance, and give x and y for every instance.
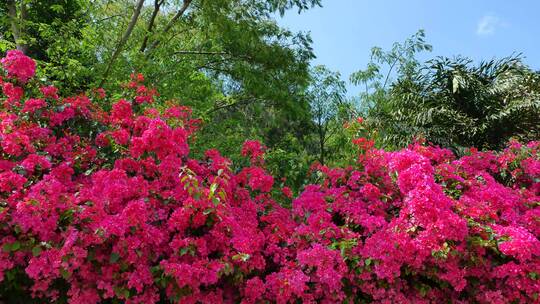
(398, 57)
(332, 132)
(389, 71)
(123, 41)
(229, 105)
(178, 33)
(211, 65)
(170, 24)
(107, 18)
(200, 53)
(150, 27)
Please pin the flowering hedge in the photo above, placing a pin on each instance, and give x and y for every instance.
(106, 205)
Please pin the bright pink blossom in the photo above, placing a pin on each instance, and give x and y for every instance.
(19, 65)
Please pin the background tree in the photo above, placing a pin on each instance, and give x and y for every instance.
(52, 33)
(227, 59)
(384, 69)
(451, 102)
(326, 95)
(456, 103)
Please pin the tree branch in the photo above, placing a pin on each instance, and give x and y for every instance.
(150, 27)
(170, 24)
(229, 105)
(107, 18)
(401, 53)
(200, 53)
(123, 40)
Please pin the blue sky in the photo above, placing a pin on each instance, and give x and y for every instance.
(344, 31)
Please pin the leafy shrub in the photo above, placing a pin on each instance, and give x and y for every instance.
(107, 206)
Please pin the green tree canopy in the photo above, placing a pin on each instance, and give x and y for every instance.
(451, 102)
(227, 59)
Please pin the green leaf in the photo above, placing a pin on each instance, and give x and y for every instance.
(222, 194)
(65, 274)
(36, 251)
(455, 84)
(57, 8)
(7, 247)
(241, 256)
(114, 257)
(15, 246)
(213, 188)
(121, 292)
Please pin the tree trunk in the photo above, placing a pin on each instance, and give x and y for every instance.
(321, 157)
(16, 22)
(322, 140)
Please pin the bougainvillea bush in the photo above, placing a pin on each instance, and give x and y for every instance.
(106, 206)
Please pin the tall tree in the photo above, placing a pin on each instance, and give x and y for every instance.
(385, 67)
(326, 95)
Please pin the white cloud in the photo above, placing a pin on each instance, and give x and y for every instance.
(488, 24)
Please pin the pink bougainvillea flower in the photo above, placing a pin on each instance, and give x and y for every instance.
(19, 65)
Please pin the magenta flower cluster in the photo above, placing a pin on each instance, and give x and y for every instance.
(102, 205)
